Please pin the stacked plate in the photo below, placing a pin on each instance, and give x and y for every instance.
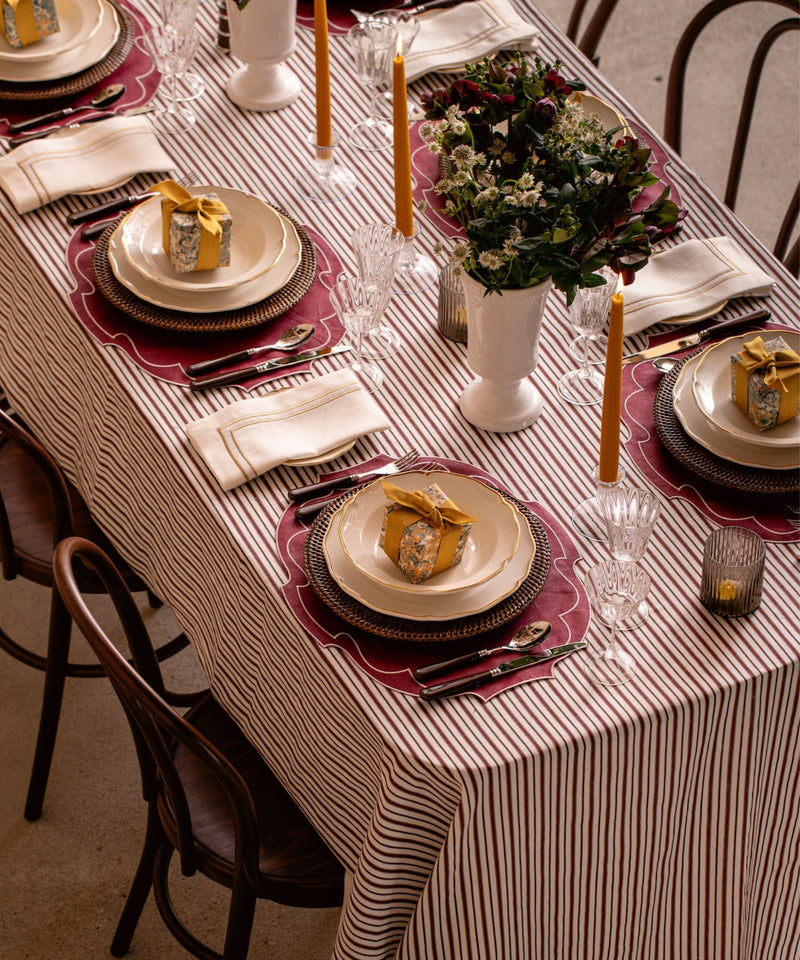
(265, 253)
(706, 411)
(89, 29)
(496, 559)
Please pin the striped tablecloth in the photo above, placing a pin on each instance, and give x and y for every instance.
(557, 820)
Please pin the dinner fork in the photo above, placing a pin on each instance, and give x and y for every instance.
(307, 511)
(121, 203)
(403, 462)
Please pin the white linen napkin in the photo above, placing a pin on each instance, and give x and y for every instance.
(449, 38)
(249, 437)
(689, 280)
(93, 156)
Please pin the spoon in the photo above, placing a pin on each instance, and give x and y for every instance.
(104, 98)
(531, 635)
(288, 340)
(664, 364)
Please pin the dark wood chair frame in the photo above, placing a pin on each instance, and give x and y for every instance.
(205, 792)
(590, 38)
(56, 665)
(673, 120)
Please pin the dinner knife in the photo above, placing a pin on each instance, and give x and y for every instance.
(681, 343)
(233, 376)
(48, 131)
(449, 688)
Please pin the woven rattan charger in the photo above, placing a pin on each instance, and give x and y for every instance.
(396, 628)
(78, 82)
(275, 305)
(702, 462)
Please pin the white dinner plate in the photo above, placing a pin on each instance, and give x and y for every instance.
(74, 61)
(489, 548)
(711, 385)
(258, 240)
(703, 431)
(437, 606)
(78, 21)
(206, 301)
(604, 111)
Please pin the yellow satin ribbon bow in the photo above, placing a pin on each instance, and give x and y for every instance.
(25, 19)
(782, 368)
(208, 214)
(446, 517)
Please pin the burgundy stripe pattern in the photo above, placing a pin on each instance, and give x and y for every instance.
(655, 821)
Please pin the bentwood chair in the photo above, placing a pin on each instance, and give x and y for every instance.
(37, 509)
(588, 41)
(673, 122)
(210, 796)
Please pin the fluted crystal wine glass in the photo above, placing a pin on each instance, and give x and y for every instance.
(377, 248)
(615, 590)
(373, 43)
(630, 515)
(181, 16)
(588, 314)
(357, 304)
(407, 26)
(170, 51)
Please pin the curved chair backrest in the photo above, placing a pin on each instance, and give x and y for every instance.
(590, 38)
(13, 432)
(155, 725)
(676, 87)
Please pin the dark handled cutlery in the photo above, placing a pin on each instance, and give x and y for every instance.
(290, 339)
(95, 229)
(530, 635)
(404, 462)
(681, 343)
(233, 376)
(121, 203)
(40, 134)
(450, 688)
(309, 509)
(104, 98)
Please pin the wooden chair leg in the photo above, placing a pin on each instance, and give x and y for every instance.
(140, 888)
(54, 678)
(171, 919)
(240, 919)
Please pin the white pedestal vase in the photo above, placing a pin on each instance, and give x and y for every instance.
(502, 338)
(262, 36)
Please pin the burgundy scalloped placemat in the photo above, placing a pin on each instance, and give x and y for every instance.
(167, 353)
(562, 602)
(125, 63)
(339, 17)
(767, 515)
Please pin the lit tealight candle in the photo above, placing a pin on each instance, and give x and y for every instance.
(612, 394)
(323, 73)
(403, 202)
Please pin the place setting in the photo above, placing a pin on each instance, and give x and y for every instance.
(401, 596)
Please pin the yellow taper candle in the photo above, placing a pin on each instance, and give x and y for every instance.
(403, 204)
(323, 73)
(612, 395)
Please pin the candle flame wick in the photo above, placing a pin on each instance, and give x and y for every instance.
(399, 46)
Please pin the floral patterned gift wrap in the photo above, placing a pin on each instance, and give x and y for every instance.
(765, 381)
(196, 230)
(25, 21)
(423, 532)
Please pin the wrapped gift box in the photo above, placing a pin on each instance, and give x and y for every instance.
(189, 244)
(765, 381)
(419, 547)
(25, 21)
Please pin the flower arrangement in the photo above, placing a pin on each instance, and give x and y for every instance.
(540, 188)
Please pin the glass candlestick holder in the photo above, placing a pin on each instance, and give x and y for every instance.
(587, 518)
(415, 271)
(325, 180)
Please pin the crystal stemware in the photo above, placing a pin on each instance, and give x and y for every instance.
(377, 247)
(615, 590)
(407, 26)
(373, 43)
(630, 515)
(588, 314)
(357, 303)
(181, 16)
(170, 52)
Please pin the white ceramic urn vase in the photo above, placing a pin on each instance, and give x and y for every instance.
(262, 36)
(502, 349)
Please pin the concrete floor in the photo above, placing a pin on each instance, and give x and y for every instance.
(64, 878)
